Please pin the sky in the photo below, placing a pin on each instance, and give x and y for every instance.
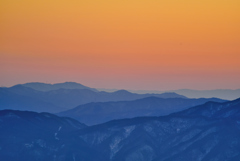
(127, 44)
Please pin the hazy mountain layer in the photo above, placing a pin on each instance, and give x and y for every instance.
(100, 112)
(218, 93)
(24, 98)
(49, 87)
(227, 94)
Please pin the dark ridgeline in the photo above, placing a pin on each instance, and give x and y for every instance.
(100, 112)
(50, 87)
(206, 132)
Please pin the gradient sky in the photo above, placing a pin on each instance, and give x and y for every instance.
(127, 44)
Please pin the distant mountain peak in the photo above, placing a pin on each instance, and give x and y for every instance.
(48, 87)
(122, 91)
(69, 83)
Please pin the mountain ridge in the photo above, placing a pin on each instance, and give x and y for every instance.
(227, 94)
(48, 87)
(179, 136)
(61, 99)
(99, 112)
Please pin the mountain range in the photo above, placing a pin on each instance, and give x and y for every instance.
(100, 112)
(227, 94)
(206, 132)
(124, 126)
(20, 97)
(49, 87)
(35, 136)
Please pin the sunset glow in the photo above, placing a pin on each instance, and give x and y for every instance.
(134, 44)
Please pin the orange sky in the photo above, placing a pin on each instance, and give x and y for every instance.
(130, 44)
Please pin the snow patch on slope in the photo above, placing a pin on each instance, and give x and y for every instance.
(114, 146)
(128, 130)
(60, 127)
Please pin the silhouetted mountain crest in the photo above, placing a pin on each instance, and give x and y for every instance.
(48, 87)
(99, 112)
(215, 109)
